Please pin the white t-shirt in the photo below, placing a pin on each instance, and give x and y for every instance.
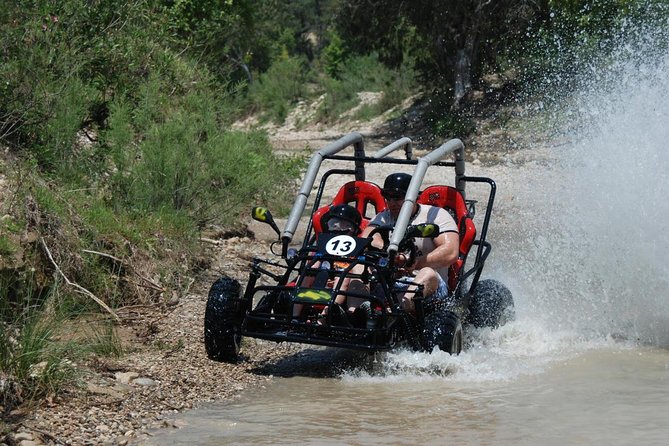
(425, 214)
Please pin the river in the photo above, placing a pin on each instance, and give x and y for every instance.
(580, 237)
(609, 395)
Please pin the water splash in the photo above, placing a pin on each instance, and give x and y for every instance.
(592, 252)
(521, 348)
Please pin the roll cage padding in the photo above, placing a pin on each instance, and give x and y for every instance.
(449, 198)
(358, 194)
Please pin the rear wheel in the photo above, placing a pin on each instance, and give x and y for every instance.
(491, 305)
(222, 321)
(443, 329)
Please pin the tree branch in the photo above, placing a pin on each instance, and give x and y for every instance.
(78, 288)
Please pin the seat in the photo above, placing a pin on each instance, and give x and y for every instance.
(366, 197)
(451, 199)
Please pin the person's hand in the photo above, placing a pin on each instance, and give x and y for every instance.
(402, 262)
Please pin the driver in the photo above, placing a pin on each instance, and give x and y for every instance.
(433, 255)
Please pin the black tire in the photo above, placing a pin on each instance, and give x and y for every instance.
(222, 321)
(491, 305)
(443, 329)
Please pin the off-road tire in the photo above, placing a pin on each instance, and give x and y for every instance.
(491, 305)
(442, 328)
(222, 321)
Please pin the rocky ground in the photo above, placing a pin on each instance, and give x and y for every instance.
(166, 371)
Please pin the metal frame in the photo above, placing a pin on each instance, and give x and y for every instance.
(270, 327)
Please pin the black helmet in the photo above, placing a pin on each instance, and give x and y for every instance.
(397, 183)
(342, 213)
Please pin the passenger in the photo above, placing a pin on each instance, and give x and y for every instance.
(433, 255)
(341, 219)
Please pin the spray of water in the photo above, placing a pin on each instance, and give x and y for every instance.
(593, 247)
(586, 252)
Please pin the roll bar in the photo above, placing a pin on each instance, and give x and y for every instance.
(454, 145)
(404, 142)
(354, 139)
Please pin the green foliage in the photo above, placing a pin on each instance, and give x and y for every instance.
(451, 126)
(334, 56)
(33, 362)
(450, 41)
(60, 62)
(338, 98)
(105, 340)
(573, 33)
(281, 86)
(186, 163)
(362, 74)
(217, 30)
(7, 247)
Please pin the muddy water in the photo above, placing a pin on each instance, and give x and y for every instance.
(610, 395)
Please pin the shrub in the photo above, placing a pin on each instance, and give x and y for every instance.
(364, 73)
(333, 57)
(33, 363)
(282, 85)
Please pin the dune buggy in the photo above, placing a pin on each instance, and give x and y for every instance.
(293, 298)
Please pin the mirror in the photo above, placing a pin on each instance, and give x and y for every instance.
(264, 215)
(423, 230)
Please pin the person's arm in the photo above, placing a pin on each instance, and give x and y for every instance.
(377, 241)
(447, 247)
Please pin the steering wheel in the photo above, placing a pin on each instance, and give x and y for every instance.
(406, 246)
(384, 231)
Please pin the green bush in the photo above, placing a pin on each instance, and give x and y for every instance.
(333, 57)
(186, 162)
(104, 340)
(33, 362)
(276, 90)
(364, 73)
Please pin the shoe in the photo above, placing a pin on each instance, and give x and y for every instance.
(363, 317)
(337, 316)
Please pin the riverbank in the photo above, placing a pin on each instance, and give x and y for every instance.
(165, 369)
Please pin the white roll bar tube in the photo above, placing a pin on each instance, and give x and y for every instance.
(300, 203)
(454, 145)
(404, 142)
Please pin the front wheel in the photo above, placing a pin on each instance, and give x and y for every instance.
(491, 305)
(222, 321)
(443, 329)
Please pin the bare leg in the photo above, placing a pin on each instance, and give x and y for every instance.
(429, 279)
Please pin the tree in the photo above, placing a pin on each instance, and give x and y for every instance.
(453, 39)
(240, 38)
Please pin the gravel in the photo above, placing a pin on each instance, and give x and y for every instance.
(119, 400)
